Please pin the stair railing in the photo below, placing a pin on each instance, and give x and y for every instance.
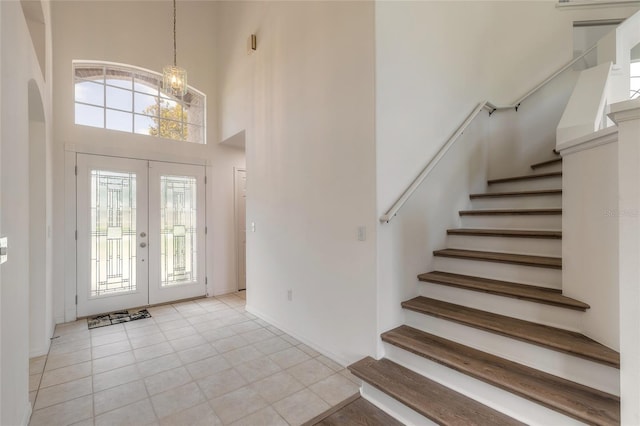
(486, 105)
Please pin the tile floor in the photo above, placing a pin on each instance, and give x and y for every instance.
(204, 362)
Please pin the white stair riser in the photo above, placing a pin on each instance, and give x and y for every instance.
(542, 277)
(554, 316)
(533, 246)
(559, 364)
(537, 222)
(554, 167)
(393, 407)
(528, 202)
(527, 185)
(506, 402)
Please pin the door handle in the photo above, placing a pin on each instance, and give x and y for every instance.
(143, 245)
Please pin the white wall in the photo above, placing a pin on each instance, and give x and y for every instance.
(140, 33)
(20, 69)
(434, 62)
(309, 126)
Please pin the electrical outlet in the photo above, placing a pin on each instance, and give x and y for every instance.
(253, 227)
(289, 295)
(362, 233)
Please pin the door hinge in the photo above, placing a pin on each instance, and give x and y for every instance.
(75, 170)
(205, 180)
(76, 299)
(206, 280)
(76, 235)
(206, 230)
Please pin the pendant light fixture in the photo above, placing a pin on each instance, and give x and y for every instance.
(174, 78)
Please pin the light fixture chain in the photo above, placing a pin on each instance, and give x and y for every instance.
(175, 63)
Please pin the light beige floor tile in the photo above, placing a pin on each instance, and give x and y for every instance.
(62, 360)
(330, 363)
(187, 342)
(346, 373)
(64, 414)
(273, 329)
(335, 389)
(221, 383)
(273, 345)
(86, 422)
(262, 322)
(258, 368)
(36, 365)
(32, 397)
(141, 323)
(168, 317)
(242, 355)
(216, 334)
(108, 338)
(71, 327)
(199, 319)
(112, 362)
(101, 331)
(237, 404)
(289, 357)
(310, 372)
(300, 407)
(136, 414)
(265, 417)
(258, 335)
(212, 325)
(146, 340)
(72, 346)
(276, 387)
(196, 353)
(250, 316)
(34, 382)
(118, 396)
(237, 318)
(166, 380)
(110, 349)
(200, 415)
(150, 328)
(309, 351)
(64, 392)
(208, 366)
(66, 374)
(292, 340)
(177, 399)
(158, 365)
(175, 333)
(153, 351)
(245, 327)
(116, 377)
(229, 343)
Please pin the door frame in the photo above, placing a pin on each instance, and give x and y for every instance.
(235, 224)
(70, 220)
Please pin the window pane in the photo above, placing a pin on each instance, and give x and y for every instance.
(90, 73)
(172, 130)
(119, 99)
(90, 93)
(145, 125)
(89, 116)
(120, 82)
(143, 86)
(195, 133)
(117, 120)
(146, 104)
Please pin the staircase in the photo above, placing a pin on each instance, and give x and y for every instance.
(491, 339)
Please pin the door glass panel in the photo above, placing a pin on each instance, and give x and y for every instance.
(178, 226)
(113, 232)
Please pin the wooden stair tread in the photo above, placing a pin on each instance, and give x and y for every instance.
(550, 337)
(431, 399)
(516, 259)
(517, 194)
(506, 212)
(546, 163)
(504, 288)
(359, 412)
(578, 401)
(509, 233)
(526, 177)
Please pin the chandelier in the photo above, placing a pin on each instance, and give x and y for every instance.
(174, 78)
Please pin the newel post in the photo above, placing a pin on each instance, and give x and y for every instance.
(627, 116)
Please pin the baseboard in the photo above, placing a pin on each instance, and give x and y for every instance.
(335, 357)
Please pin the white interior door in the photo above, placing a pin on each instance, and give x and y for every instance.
(241, 226)
(141, 233)
(177, 232)
(112, 219)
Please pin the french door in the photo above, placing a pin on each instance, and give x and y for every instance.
(141, 233)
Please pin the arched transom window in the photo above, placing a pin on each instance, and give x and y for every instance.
(131, 99)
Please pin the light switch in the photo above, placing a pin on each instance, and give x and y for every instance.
(253, 227)
(362, 233)
(4, 247)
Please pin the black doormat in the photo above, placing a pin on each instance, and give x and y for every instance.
(116, 318)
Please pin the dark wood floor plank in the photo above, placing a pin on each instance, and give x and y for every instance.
(550, 337)
(433, 400)
(511, 212)
(546, 163)
(506, 233)
(530, 293)
(580, 402)
(515, 259)
(526, 177)
(359, 413)
(516, 194)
